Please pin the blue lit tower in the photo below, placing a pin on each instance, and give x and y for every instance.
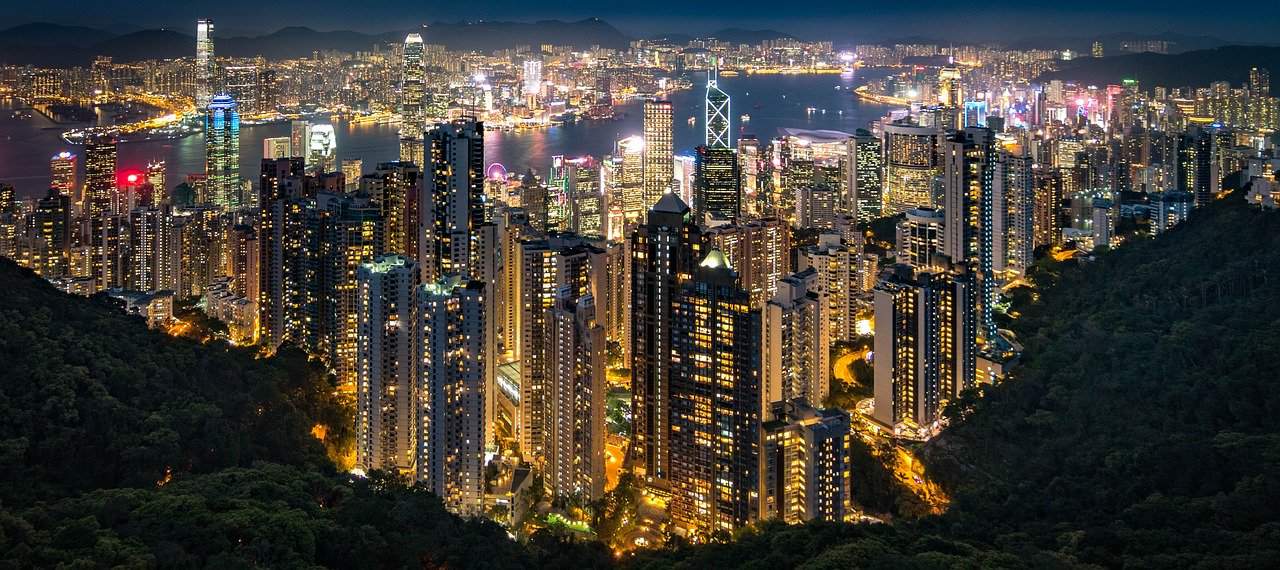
(222, 152)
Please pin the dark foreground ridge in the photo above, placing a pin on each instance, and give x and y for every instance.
(1142, 431)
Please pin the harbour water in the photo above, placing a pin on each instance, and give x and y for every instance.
(772, 101)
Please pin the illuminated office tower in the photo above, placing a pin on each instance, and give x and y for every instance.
(659, 151)
(717, 186)
(278, 220)
(452, 205)
(816, 206)
(99, 175)
(1048, 198)
(836, 271)
(322, 149)
(796, 342)
(761, 252)
(222, 152)
(535, 197)
(715, 402)
(152, 260)
(1013, 224)
(805, 466)
(386, 407)
(969, 237)
(394, 187)
(107, 264)
(951, 96)
(277, 147)
(868, 176)
(299, 137)
(532, 84)
(551, 271)
(750, 169)
(62, 170)
(716, 117)
(156, 178)
(352, 170)
(586, 196)
(451, 362)
(911, 163)
(664, 252)
(576, 353)
(1195, 165)
(925, 346)
(53, 227)
(206, 66)
(629, 181)
(920, 236)
(413, 79)
(559, 200)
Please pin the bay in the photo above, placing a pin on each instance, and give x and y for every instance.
(773, 102)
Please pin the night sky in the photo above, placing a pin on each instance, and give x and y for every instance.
(1233, 20)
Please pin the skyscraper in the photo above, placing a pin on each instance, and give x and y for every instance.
(206, 66)
(805, 464)
(796, 342)
(394, 187)
(450, 363)
(760, 252)
(715, 402)
(62, 170)
(277, 147)
(970, 166)
(322, 149)
(835, 264)
(628, 182)
(277, 219)
(868, 176)
(386, 407)
(659, 151)
(664, 252)
(452, 205)
(911, 163)
(99, 175)
(222, 152)
(924, 345)
(717, 113)
(577, 351)
(717, 190)
(412, 100)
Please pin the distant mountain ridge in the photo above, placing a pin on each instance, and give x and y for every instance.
(54, 45)
(1190, 69)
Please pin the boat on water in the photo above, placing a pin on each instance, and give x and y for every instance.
(745, 118)
(693, 121)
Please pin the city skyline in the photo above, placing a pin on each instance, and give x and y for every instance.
(777, 281)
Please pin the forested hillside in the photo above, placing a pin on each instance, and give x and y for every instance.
(1142, 431)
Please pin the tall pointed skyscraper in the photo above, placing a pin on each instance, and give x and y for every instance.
(412, 97)
(717, 112)
(205, 65)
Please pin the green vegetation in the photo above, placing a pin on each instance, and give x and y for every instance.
(125, 447)
(1143, 429)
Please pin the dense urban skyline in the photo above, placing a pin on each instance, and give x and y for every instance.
(650, 346)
